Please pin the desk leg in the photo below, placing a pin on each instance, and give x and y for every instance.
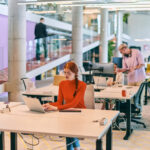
(128, 122)
(107, 104)
(55, 98)
(117, 108)
(99, 144)
(109, 139)
(145, 102)
(13, 139)
(2, 141)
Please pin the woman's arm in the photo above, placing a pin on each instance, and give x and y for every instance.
(60, 97)
(53, 106)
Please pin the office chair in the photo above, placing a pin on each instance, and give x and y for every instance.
(28, 84)
(89, 97)
(136, 108)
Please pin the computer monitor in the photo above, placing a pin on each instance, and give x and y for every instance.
(106, 67)
(117, 61)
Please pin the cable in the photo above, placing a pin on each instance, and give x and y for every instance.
(39, 137)
(50, 137)
(115, 124)
(32, 141)
(65, 145)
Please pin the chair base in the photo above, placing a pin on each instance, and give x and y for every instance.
(138, 122)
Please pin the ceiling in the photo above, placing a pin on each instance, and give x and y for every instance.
(113, 5)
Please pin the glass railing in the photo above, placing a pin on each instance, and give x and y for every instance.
(41, 52)
(44, 50)
(56, 47)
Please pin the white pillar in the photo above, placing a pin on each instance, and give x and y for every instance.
(16, 49)
(119, 33)
(104, 36)
(77, 35)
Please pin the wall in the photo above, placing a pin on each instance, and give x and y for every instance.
(30, 53)
(4, 41)
(139, 26)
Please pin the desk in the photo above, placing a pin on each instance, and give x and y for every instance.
(146, 88)
(50, 90)
(115, 94)
(79, 125)
(47, 91)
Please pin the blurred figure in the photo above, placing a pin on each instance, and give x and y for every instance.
(133, 65)
(119, 77)
(41, 34)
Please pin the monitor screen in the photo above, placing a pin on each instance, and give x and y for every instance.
(118, 61)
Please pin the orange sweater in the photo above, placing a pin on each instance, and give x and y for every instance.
(66, 91)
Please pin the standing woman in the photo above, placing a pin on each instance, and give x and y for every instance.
(71, 92)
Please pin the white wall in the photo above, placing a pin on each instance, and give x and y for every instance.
(139, 28)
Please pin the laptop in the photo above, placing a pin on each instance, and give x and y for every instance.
(33, 104)
(100, 81)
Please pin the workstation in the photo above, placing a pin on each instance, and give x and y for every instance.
(74, 75)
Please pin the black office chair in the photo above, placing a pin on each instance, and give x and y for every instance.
(136, 108)
(23, 80)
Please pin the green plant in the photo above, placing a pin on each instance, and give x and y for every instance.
(111, 48)
(125, 17)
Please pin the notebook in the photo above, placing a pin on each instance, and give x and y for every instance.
(33, 104)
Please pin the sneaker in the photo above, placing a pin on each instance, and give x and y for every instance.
(138, 116)
(38, 61)
(47, 59)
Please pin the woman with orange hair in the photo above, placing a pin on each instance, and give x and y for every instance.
(71, 92)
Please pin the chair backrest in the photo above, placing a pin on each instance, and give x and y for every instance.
(137, 98)
(28, 84)
(58, 79)
(148, 68)
(89, 97)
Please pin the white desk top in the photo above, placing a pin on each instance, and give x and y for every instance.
(147, 75)
(11, 104)
(50, 90)
(116, 92)
(99, 87)
(57, 123)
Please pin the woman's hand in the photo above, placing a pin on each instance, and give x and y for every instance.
(132, 69)
(47, 106)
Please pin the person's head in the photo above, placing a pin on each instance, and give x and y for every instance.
(42, 20)
(124, 50)
(71, 71)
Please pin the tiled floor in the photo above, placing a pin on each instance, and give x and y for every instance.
(138, 141)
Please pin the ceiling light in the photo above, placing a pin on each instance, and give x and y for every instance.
(44, 12)
(59, 39)
(142, 40)
(29, 2)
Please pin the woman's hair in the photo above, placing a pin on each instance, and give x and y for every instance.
(73, 67)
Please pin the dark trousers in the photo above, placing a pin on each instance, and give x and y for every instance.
(39, 43)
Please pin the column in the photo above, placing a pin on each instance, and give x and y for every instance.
(77, 35)
(104, 36)
(16, 49)
(119, 33)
